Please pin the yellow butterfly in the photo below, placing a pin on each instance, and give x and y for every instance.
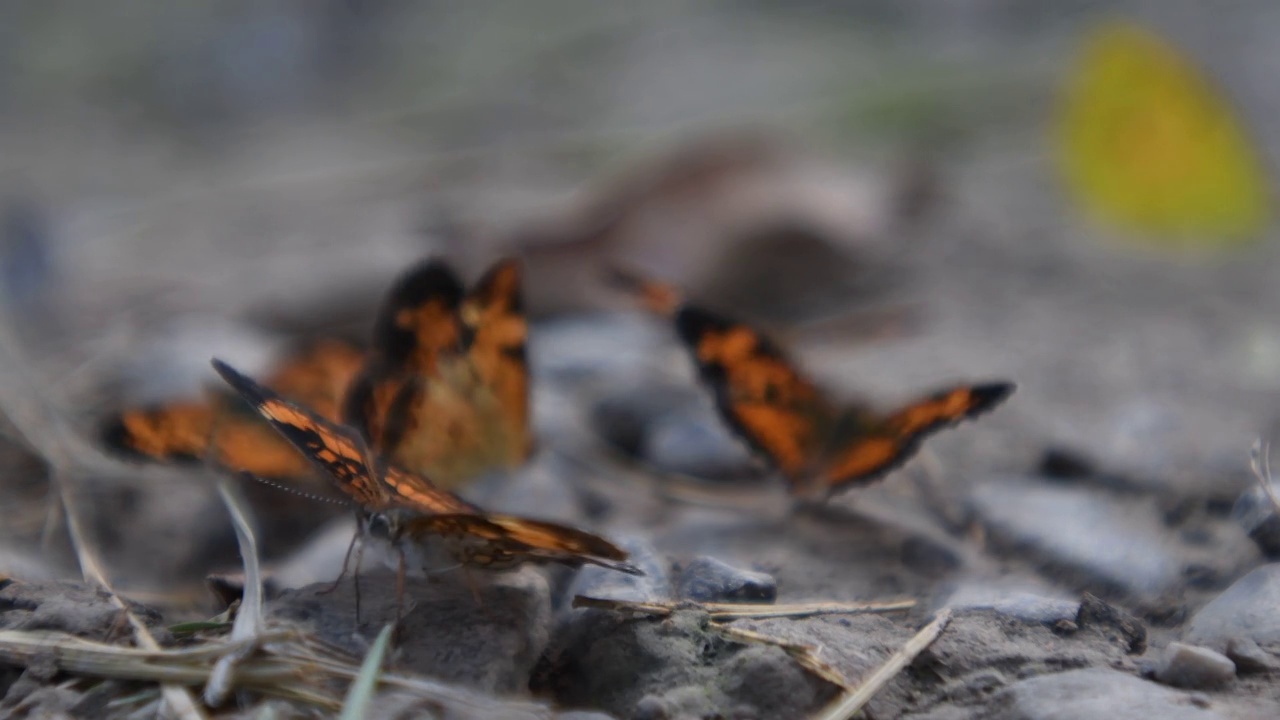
(1146, 143)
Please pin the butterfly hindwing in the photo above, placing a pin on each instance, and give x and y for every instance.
(493, 315)
(867, 447)
(758, 390)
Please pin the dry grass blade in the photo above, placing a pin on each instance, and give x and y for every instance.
(845, 706)
(179, 699)
(1260, 462)
(248, 625)
(805, 655)
(736, 611)
(360, 695)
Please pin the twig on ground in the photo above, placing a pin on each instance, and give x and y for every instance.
(848, 704)
(805, 655)
(734, 611)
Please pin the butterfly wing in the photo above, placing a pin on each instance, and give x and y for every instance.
(1146, 142)
(504, 540)
(868, 447)
(493, 315)
(448, 396)
(417, 326)
(318, 374)
(759, 392)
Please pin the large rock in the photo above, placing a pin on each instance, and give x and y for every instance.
(1244, 621)
(1094, 693)
(487, 636)
(1103, 540)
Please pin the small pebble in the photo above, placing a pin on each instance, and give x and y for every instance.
(706, 579)
(1191, 666)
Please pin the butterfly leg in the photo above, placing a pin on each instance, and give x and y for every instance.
(400, 573)
(355, 580)
(346, 560)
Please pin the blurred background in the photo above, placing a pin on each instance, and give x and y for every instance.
(188, 179)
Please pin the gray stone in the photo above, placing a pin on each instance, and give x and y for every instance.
(1094, 693)
(1257, 515)
(1020, 604)
(484, 631)
(68, 607)
(1191, 666)
(1243, 619)
(1104, 540)
(706, 579)
(584, 715)
(697, 444)
(626, 416)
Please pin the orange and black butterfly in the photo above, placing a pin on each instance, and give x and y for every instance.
(818, 446)
(445, 392)
(317, 374)
(407, 508)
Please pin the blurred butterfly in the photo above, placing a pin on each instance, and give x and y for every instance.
(317, 374)
(820, 448)
(1146, 143)
(445, 392)
(407, 509)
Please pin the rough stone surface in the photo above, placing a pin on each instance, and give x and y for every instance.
(1190, 666)
(1243, 622)
(675, 667)
(706, 579)
(1093, 693)
(1103, 540)
(69, 607)
(1020, 604)
(697, 444)
(488, 640)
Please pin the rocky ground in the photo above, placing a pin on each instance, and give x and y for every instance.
(1099, 541)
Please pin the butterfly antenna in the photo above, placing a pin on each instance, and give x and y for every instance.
(295, 491)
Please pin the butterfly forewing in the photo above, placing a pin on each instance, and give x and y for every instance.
(416, 328)
(757, 390)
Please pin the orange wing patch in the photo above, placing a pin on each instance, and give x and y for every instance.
(816, 446)
(318, 374)
(446, 392)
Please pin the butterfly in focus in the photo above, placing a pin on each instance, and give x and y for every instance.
(407, 509)
(1145, 142)
(443, 390)
(819, 447)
